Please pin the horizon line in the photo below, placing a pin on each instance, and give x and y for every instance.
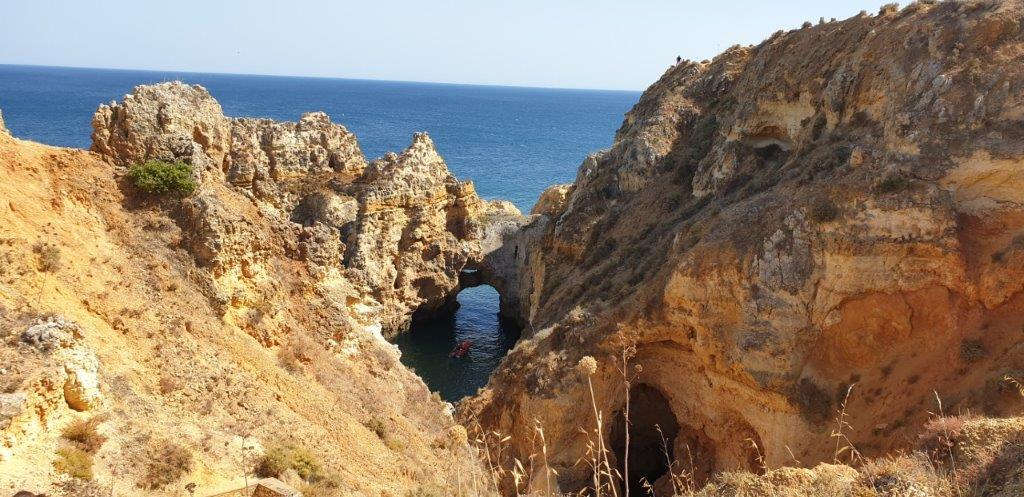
(376, 80)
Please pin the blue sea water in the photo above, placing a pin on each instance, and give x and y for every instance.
(512, 142)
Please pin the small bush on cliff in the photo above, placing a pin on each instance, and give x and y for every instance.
(84, 434)
(281, 458)
(892, 184)
(47, 255)
(166, 462)
(74, 462)
(824, 211)
(159, 177)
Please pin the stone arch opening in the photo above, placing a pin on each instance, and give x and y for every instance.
(470, 314)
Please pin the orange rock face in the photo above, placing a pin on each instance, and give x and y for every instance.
(838, 206)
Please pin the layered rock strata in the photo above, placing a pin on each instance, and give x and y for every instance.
(839, 207)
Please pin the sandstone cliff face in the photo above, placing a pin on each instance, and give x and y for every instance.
(389, 238)
(248, 315)
(838, 206)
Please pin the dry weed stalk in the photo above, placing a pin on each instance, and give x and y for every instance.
(760, 457)
(683, 481)
(598, 453)
(539, 430)
(840, 433)
(947, 441)
(628, 351)
(1016, 384)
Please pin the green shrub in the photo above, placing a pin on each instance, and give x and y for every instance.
(159, 177)
(892, 184)
(74, 462)
(166, 462)
(84, 435)
(824, 211)
(281, 458)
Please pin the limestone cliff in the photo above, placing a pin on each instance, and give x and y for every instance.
(840, 206)
(246, 316)
(390, 237)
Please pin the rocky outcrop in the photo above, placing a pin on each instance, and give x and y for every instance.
(78, 366)
(3, 127)
(64, 381)
(552, 200)
(242, 317)
(390, 238)
(414, 232)
(833, 208)
(175, 121)
(169, 121)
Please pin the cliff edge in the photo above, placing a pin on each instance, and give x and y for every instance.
(152, 341)
(830, 220)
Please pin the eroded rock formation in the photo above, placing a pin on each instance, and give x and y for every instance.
(390, 238)
(248, 315)
(839, 206)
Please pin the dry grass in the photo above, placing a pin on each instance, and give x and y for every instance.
(935, 470)
(84, 434)
(166, 462)
(47, 256)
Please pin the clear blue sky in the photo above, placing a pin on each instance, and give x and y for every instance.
(614, 44)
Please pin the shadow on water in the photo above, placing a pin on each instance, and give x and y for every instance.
(426, 345)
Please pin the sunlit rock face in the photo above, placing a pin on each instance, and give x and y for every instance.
(838, 206)
(389, 237)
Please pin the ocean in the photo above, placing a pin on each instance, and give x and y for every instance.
(511, 142)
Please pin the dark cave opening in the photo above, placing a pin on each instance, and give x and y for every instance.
(649, 411)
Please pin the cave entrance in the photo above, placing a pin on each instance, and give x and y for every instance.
(474, 316)
(652, 434)
(658, 443)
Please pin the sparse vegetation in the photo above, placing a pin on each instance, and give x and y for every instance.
(166, 462)
(169, 385)
(824, 211)
(47, 256)
(323, 488)
(426, 491)
(287, 359)
(159, 177)
(74, 462)
(378, 426)
(298, 351)
(280, 458)
(893, 183)
(84, 434)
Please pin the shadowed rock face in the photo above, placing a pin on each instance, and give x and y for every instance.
(387, 238)
(839, 205)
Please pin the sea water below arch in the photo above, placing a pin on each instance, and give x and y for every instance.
(426, 346)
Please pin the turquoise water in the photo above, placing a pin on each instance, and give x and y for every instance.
(512, 142)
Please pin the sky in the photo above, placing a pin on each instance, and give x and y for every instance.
(598, 44)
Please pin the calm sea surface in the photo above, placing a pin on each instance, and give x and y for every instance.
(512, 142)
